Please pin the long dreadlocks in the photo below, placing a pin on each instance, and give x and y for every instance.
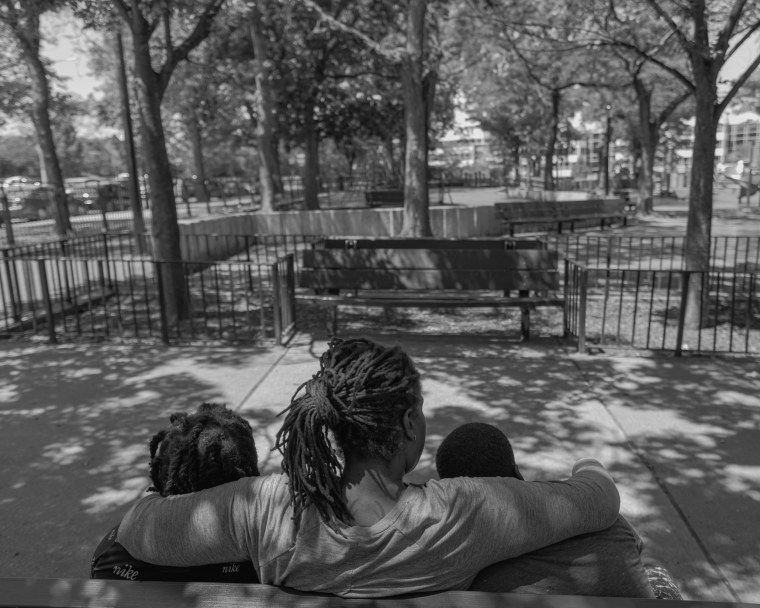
(359, 394)
(209, 447)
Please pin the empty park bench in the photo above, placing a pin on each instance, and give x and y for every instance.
(85, 593)
(560, 213)
(432, 277)
(389, 242)
(384, 196)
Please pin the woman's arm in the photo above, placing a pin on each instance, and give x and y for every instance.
(515, 517)
(205, 527)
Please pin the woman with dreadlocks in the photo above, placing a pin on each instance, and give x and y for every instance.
(341, 519)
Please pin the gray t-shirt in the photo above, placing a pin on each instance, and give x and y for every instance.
(438, 535)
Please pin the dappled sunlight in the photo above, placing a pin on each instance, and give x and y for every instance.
(77, 420)
(105, 499)
(63, 453)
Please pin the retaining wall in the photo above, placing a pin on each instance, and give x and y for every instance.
(446, 221)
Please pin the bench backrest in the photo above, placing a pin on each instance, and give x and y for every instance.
(560, 210)
(381, 242)
(81, 593)
(520, 210)
(458, 269)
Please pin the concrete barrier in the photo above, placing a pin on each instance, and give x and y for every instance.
(198, 240)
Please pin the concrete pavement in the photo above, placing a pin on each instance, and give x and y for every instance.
(679, 435)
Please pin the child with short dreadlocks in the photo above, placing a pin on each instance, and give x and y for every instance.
(208, 447)
(341, 519)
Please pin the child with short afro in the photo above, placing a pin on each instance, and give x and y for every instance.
(606, 563)
(206, 448)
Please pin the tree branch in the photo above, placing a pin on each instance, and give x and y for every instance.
(199, 33)
(737, 85)
(747, 35)
(727, 32)
(393, 55)
(670, 108)
(685, 42)
(652, 59)
(123, 10)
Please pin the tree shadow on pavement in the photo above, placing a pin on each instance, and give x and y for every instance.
(76, 421)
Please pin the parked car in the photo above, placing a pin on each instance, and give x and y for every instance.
(37, 203)
(99, 195)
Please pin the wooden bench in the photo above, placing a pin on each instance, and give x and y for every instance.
(560, 213)
(385, 242)
(431, 278)
(384, 196)
(85, 593)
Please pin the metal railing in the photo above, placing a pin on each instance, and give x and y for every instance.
(740, 253)
(97, 298)
(284, 299)
(647, 309)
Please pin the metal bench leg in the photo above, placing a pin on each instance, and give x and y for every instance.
(525, 322)
(332, 327)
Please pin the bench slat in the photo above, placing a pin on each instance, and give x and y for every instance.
(82, 593)
(427, 301)
(427, 243)
(435, 259)
(391, 278)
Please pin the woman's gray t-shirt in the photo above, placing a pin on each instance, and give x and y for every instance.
(438, 536)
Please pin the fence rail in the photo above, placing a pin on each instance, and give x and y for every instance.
(740, 253)
(646, 309)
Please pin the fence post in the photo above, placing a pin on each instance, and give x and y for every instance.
(13, 289)
(582, 310)
(685, 278)
(162, 302)
(276, 303)
(46, 300)
(565, 323)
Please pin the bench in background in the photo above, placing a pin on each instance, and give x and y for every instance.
(385, 242)
(384, 196)
(85, 593)
(432, 278)
(560, 213)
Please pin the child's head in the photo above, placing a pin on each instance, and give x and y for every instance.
(476, 449)
(206, 448)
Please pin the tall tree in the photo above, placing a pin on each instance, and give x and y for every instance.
(153, 25)
(21, 20)
(409, 46)
(640, 42)
(708, 34)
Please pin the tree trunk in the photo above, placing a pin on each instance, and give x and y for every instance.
(552, 144)
(646, 177)
(649, 133)
(263, 105)
(165, 230)
(199, 167)
(311, 161)
(699, 223)
(50, 167)
(416, 204)
(516, 159)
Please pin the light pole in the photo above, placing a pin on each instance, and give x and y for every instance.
(129, 147)
(607, 139)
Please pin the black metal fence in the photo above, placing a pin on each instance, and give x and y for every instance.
(646, 309)
(620, 292)
(739, 253)
(98, 298)
(284, 299)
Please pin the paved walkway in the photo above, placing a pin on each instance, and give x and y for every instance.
(679, 435)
